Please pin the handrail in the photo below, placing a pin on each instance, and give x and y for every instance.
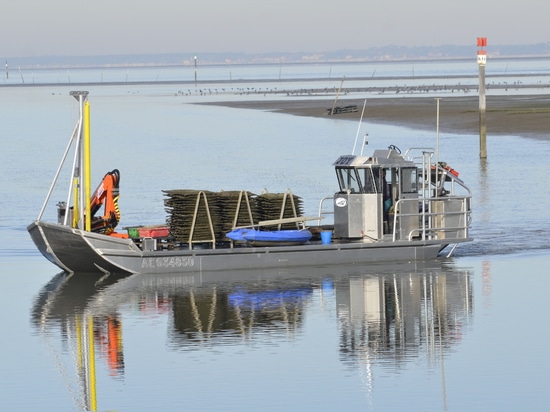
(422, 149)
(299, 219)
(321, 213)
(436, 229)
(427, 232)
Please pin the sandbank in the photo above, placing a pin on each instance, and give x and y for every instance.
(525, 115)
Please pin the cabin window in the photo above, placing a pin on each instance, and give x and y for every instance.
(371, 181)
(348, 180)
(409, 178)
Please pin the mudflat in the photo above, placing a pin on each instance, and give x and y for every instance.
(525, 115)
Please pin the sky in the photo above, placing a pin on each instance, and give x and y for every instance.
(30, 28)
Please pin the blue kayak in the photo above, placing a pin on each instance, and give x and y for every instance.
(270, 236)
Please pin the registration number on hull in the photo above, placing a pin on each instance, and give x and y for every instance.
(168, 262)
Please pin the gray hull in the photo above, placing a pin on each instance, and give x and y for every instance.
(74, 250)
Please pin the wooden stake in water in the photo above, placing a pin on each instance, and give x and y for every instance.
(437, 146)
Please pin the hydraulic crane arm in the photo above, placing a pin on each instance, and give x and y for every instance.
(106, 195)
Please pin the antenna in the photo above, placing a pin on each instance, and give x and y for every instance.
(365, 142)
(358, 127)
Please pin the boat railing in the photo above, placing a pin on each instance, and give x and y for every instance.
(417, 153)
(446, 217)
(434, 176)
(301, 220)
(322, 213)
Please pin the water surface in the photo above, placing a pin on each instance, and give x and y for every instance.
(454, 334)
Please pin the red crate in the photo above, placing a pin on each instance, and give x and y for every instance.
(153, 232)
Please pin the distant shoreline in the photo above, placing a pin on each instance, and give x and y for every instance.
(525, 115)
(374, 55)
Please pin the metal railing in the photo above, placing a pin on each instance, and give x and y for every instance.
(321, 214)
(433, 224)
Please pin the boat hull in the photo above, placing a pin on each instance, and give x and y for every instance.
(74, 250)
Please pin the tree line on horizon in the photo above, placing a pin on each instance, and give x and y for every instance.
(386, 53)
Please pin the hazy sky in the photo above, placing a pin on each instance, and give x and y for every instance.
(76, 27)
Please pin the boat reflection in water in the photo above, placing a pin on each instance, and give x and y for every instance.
(389, 314)
(396, 317)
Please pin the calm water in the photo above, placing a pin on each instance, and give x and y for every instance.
(466, 333)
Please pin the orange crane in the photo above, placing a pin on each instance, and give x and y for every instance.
(106, 194)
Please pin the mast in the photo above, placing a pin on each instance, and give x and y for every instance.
(82, 166)
(87, 167)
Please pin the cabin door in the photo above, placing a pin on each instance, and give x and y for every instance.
(358, 216)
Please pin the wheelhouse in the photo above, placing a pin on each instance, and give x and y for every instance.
(390, 194)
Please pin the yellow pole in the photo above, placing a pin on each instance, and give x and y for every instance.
(76, 203)
(87, 167)
(79, 343)
(91, 371)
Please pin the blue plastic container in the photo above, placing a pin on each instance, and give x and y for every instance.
(326, 237)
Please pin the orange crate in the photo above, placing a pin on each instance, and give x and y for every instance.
(153, 231)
